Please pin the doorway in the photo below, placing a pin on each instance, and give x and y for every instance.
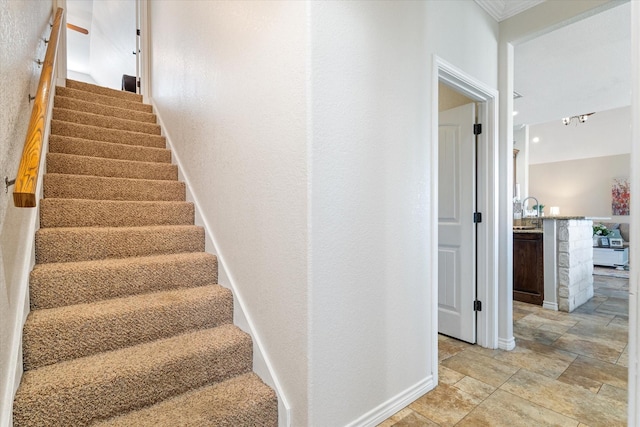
(102, 44)
(486, 197)
(556, 15)
(456, 208)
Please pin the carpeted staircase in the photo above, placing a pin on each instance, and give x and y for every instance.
(127, 326)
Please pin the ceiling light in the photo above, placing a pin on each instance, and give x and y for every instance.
(579, 119)
(536, 139)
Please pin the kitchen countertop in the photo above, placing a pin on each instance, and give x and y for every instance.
(528, 231)
(566, 217)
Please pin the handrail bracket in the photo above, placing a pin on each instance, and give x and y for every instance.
(8, 183)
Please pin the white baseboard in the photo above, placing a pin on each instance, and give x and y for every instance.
(28, 257)
(507, 344)
(393, 405)
(14, 370)
(261, 362)
(550, 305)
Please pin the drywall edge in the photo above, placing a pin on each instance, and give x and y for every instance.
(261, 362)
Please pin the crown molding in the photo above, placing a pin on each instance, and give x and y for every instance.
(504, 9)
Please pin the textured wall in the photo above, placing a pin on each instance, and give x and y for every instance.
(371, 311)
(228, 79)
(304, 129)
(22, 27)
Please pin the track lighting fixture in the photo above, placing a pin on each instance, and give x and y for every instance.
(579, 119)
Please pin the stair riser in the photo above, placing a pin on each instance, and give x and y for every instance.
(127, 320)
(95, 166)
(83, 118)
(56, 285)
(104, 91)
(117, 136)
(96, 188)
(97, 213)
(52, 336)
(116, 390)
(103, 100)
(103, 110)
(77, 244)
(107, 150)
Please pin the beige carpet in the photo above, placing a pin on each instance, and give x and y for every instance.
(128, 324)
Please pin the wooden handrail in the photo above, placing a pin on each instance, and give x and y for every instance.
(24, 193)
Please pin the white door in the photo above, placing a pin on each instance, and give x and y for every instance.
(456, 228)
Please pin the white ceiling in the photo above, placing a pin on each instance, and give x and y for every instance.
(577, 69)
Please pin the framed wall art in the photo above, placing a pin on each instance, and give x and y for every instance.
(620, 196)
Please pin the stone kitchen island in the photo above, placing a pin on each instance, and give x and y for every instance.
(553, 261)
(568, 262)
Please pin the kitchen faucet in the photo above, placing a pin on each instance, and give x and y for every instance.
(537, 206)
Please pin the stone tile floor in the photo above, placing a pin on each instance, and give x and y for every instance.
(568, 369)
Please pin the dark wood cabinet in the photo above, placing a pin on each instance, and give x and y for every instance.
(528, 268)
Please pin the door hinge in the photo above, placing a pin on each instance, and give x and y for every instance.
(138, 83)
(477, 305)
(477, 128)
(137, 32)
(477, 217)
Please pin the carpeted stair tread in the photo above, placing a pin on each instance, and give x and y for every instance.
(68, 283)
(242, 401)
(85, 244)
(107, 150)
(113, 213)
(103, 100)
(105, 91)
(64, 333)
(98, 166)
(103, 110)
(128, 326)
(97, 133)
(66, 186)
(80, 391)
(106, 122)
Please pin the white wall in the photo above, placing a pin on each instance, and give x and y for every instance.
(371, 308)
(22, 28)
(465, 36)
(521, 143)
(113, 41)
(79, 13)
(579, 187)
(81, 77)
(304, 129)
(229, 81)
(573, 166)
